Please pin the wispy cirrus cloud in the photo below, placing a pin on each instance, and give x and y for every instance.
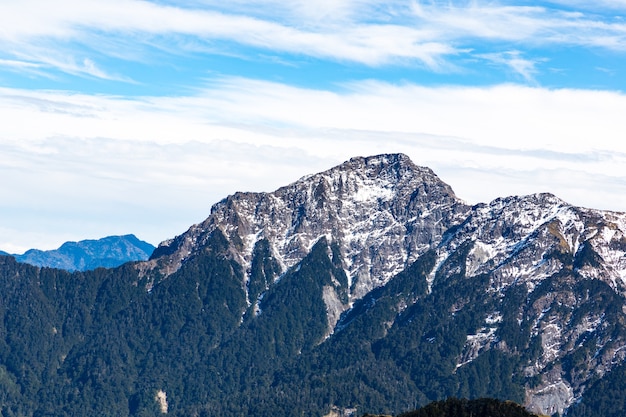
(21, 65)
(370, 33)
(525, 68)
(596, 6)
(526, 25)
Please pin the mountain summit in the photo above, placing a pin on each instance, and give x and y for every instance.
(366, 288)
(383, 212)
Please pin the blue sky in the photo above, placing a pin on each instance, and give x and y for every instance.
(132, 116)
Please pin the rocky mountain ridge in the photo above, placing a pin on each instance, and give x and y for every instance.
(369, 287)
(536, 241)
(384, 212)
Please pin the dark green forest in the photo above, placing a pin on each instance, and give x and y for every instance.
(481, 407)
(99, 343)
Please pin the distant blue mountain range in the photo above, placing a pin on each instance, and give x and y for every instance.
(85, 255)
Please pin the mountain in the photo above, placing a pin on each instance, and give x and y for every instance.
(84, 255)
(367, 288)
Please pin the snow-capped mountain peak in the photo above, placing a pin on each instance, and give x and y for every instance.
(382, 211)
(381, 214)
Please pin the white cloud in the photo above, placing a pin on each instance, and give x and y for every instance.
(596, 6)
(102, 165)
(371, 44)
(21, 65)
(506, 116)
(60, 34)
(525, 68)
